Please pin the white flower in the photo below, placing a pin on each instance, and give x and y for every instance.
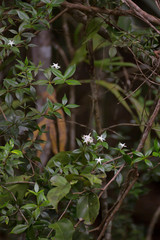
(87, 138)
(101, 138)
(99, 160)
(11, 43)
(122, 145)
(55, 65)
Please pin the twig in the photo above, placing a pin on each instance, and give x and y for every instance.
(79, 192)
(116, 207)
(129, 124)
(114, 177)
(3, 114)
(153, 223)
(149, 126)
(55, 18)
(76, 225)
(67, 37)
(16, 202)
(90, 9)
(71, 52)
(61, 52)
(30, 161)
(60, 217)
(94, 87)
(65, 210)
(157, 3)
(144, 15)
(131, 179)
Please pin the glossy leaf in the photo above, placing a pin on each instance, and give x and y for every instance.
(19, 229)
(88, 208)
(61, 189)
(70, 71)
(64, 229)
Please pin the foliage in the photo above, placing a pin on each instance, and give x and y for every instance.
(62, 199)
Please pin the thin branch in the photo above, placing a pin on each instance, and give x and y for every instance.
(149, 126)
(54, 18)
(157, 3)
(131, 178)
(114, 177)
(90, 9)
(3, 114)
(65, 210)
(153, 223)
(30, 161)
(139, 12)
(16, 202)
(132, 175)
(76, 225)
(94, 87)
(61, 52)
(60, 217)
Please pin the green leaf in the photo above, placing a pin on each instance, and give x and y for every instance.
(2, 29)
(127, 159)
(22, 15)
(2, 92)
(19, 228)
(59, 81)
(8, 99)
(148, 153)
(139, 154)
(61, 157)
(64, 229)
(92, 178)
(11, 82)
(64, 100)
(70, 71)
(156, 145)
(41, 82)
(106, 63)
(19, 94)
(119, 179)
(17, 152)
(36, 213)
(72, 106)
(115, 90)
(29, 206)
(148, 162)
(112, 52)
(67, 111)
(88, 208)
(50, 89)
(92, 28)
(60, 191)
(105, 145)
(139, 159)
(73, 82)
(17, 189)
(36, 187)
(57, 73)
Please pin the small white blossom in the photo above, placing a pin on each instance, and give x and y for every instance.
(101, 138)
(11, 43)
(122, 145)
(87, 138)
(55, 65)
(99, 160)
